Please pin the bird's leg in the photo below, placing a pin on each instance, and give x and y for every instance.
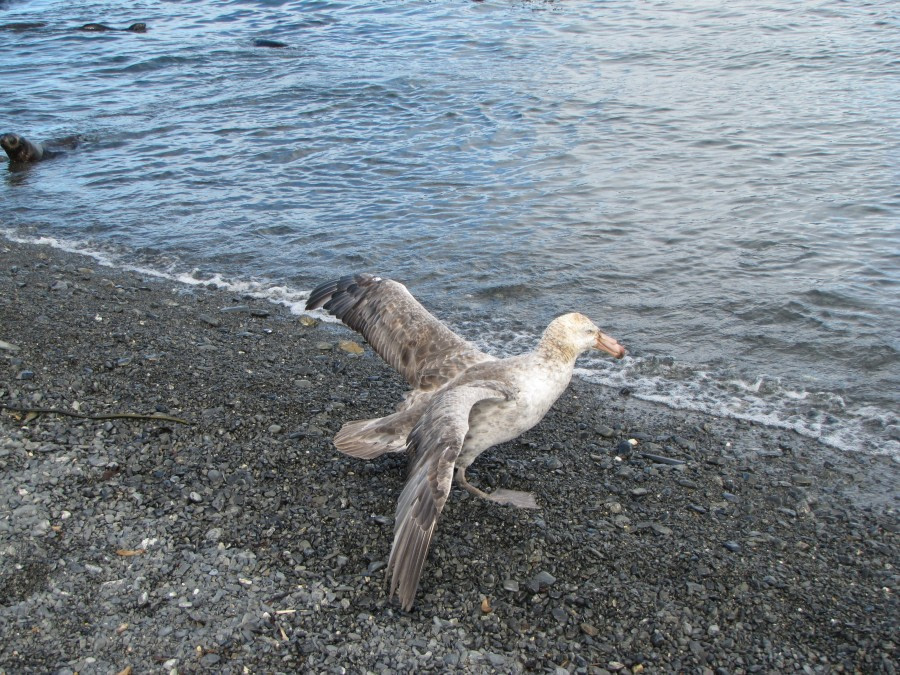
(461, 479)
(522, 500)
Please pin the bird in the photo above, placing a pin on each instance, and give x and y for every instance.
(462, 401)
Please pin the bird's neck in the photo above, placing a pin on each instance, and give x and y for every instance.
(556, 348)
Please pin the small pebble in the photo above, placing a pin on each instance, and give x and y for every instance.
(209, 660)
(624, 449)
(541, 580)
(351, 347)
(375, 567)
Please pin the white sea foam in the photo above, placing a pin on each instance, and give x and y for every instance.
(823, 415)
(293, 299)
(766, 400)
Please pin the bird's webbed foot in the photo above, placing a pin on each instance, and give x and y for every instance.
(522, 500)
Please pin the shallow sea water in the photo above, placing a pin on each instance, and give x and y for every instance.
(716, 184)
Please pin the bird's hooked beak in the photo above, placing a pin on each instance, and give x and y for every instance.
(609, 345)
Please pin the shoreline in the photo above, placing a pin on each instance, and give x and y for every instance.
(246, 541)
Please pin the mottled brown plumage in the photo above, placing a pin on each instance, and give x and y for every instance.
(462, 402)
(422, 349)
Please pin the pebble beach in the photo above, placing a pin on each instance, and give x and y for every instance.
(222, 532)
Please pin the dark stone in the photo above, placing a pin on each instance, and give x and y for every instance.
(541, 581)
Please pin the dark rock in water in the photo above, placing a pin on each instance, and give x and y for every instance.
(23, 25)
(101, 27)
(273, 44)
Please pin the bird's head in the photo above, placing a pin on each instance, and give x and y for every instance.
(579, 334)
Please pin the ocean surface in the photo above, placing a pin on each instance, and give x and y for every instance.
(716, 184)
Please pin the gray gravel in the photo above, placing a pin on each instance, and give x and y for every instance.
(244, 541)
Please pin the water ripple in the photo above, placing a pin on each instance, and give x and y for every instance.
(716, 183)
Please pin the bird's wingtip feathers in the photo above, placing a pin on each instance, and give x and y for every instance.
(322, 294)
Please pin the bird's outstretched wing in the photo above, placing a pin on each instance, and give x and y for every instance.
(421, 348)
(434, 445)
